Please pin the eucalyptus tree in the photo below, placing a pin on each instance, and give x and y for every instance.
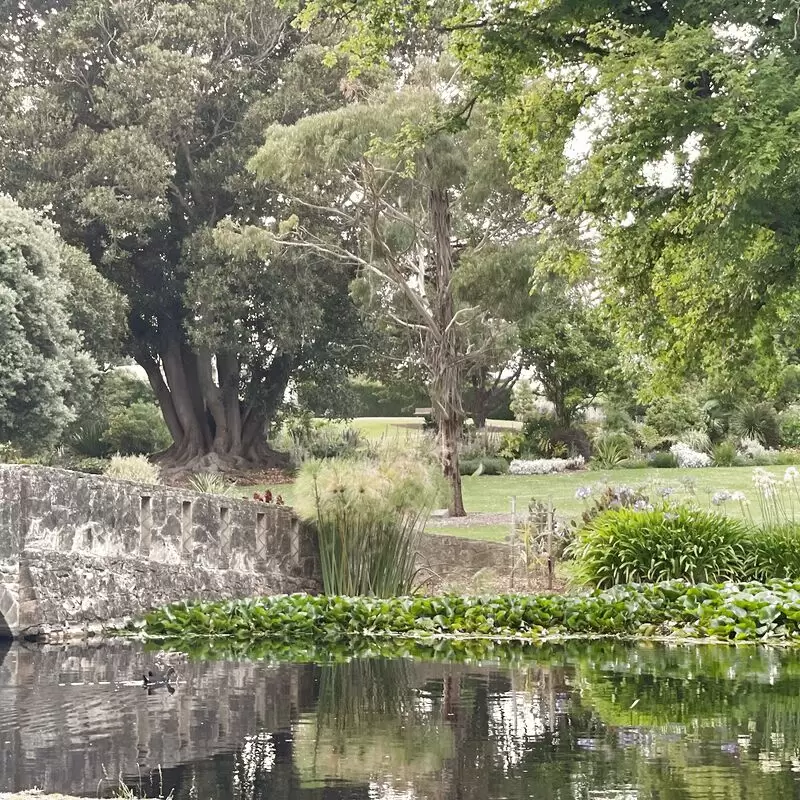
(407, 199)
(129, 123)
(666, 128)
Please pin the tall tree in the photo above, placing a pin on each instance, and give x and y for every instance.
(130, 121)
(44, 370)
(412, 195)
(667, 128)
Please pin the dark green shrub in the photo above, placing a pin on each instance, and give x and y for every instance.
(491, 466)
(371, 398)
(757, 421)
(671, 415)
(789, 421)
(663, 461)
(575, 441)
(137, 430)
(724, 454)
(89, 440)
(629, 546)
(536, 431)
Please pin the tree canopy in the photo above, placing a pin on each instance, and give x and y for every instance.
(666, 129)
(130, 123)
(45, 373)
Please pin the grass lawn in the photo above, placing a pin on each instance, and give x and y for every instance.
(493, 493)
(401, 427)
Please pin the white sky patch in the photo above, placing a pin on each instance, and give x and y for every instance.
(736, 38)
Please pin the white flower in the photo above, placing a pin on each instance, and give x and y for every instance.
(718, 498)
(765, 482)
(791, 475)
(583, 492)
(739, 497)
(686, 457)
(544, 466)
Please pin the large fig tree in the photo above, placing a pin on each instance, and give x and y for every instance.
(129, 123)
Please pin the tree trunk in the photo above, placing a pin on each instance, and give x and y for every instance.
(442, 348)
(211, 432)
(482, 397)
(450, 432)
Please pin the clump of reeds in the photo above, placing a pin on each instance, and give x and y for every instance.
(369, 515)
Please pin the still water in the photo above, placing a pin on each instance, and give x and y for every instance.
(584, 720)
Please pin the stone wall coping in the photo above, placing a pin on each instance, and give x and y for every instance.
(145, 488)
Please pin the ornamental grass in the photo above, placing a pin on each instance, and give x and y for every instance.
(369, 515)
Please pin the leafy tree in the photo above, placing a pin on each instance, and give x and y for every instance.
(44, 371)
(553, 328)
(131, 121)
(666, 128)
(412, 199)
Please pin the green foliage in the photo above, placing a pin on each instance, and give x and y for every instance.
(483, 465)
(611, 449)
(744, 612)
(138, 429)
(368, 515)
(774, 552)
(145, 157)
(758, 421)
(93, 466)
(132, 468)
(88, 439)
(611, 497)
(663, 460)
(724, 454)
(129, 401)
(307, 438)
(789, 421)
(629, 546)
(44, 370)
(569, 346)
(511, 444)
(211, 483)
(372, 398)
(671, 415)
(9, 454)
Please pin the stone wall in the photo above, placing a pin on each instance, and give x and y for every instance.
(79, 550)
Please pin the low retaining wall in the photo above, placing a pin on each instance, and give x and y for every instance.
(78, 550)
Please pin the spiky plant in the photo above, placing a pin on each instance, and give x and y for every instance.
(210, 483)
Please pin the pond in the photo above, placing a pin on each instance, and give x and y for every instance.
(579, 720)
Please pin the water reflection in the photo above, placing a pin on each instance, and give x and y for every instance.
(596, 721)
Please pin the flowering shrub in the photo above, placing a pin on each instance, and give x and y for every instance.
(544, 466)
(686, 457)
(754, 450)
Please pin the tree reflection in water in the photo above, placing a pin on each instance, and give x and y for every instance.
(605, 721)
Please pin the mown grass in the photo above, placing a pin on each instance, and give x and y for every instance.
(376, 428)
(493, 493)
